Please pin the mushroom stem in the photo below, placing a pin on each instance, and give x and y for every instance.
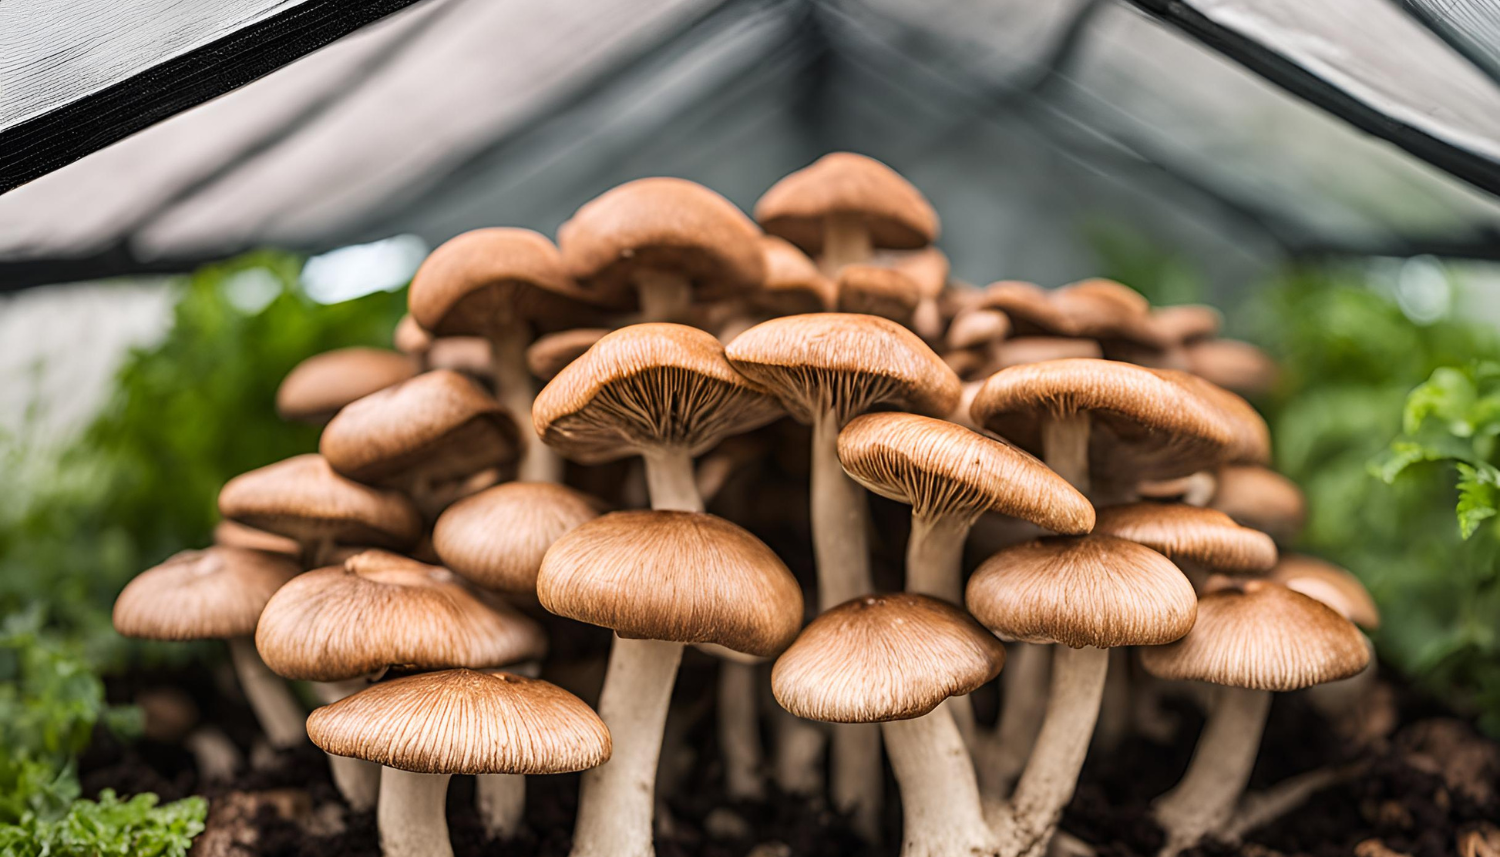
(940, 808)
(279, 713)
(357, 780)
(1023, 707)
(617, 798)
(840, 546)
(935, 557)
(739, 731)
(664, 295)
(1206, 795)
(670, 481)
(1065, 448)
(1051, 773)
(799, 754)
(517, 391)
(846, 241)
(501, 801)
(412, 818)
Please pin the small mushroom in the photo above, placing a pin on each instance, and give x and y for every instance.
(977, 334)
(230, 534)
(1343, 592)
(551, 353)
(1200, 541)
(496, 539)
(928, 269)
(1021, 350)
(322, 384)
(873, 290)
(1262, 499)
(1233, 365)
(1092, 309)
(793, 284)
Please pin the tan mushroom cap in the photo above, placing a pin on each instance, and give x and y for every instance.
(464, 722)
(230, 534)
(482, 280)
(845, 184)
(411, 338)
(846, 362)
(1263, 636)
(1233, 365)
(380, 610)
(873, 290)
(1260, 498)
(438, 426)
(304, 499)
(1144, 424)
(645, 387)
(1100, 309)
(666, 224)
(1186, 323)
(685, 577)
(1204, 538)
(884, 657)
(550, 354)
(974, 328)
(471, 355)
(1038, 349)
(793, 284)
(211, 594)
(319, 386)
(497, 538)
(1091, 591)
(1329, 584)
(940, 469)
(1252, 435)
(927, 267)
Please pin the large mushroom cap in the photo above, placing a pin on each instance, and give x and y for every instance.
(1263, 636)
(319, 386)
(844, 362)
(939, 468)
(1262, 499)
(685, 577)
(873, 290)
(1144, 424)
(497, 538)
(303, 498)
(210, 594)
(884, 657)
(1206, 538)
(464, 722)
(1092, 591)
(1252, 437)
(380, 610)
(849, 185)
(1329, 584)
(551, 353)
(645, 387)
(665, 224)
(793, 284)
(436, 427)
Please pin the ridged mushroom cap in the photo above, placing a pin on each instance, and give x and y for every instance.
(319, 386)
(1233, 365)
(210, 594)
(685, 577)
(1329, 584)
(380, 610)
(793, 284)
(551, 353)
(497, 538)
(1263, 636)
(480, 281)
(464, 722)
(1144, 424)
(1091, 591)
(411, 338)
(873, 290)
(1038, 349)
(1261, 498)
(644, 387)
(1205, 538)
(1093, 309)
(438, 426)
(230, 534)
(844, 362)
(666, 224)
(884, 657)
(941, 469)
(304, 499)
(845, 184)
(973, 328)
(1252, 437)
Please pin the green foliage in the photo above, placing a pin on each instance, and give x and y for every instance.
(109, 827)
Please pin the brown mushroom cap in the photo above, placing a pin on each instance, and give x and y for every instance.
(550, 354)
(939, 468)
(380, 610)
(497, 538)
(684, 577)
(927, 267)
(663, 224)
(645, 387)
(464, 722)
(793, 284)
(1205, 538)
(231, 534)
(895, 213)
(846, 362)
(1144, 424)
(210, 594)
(1186, 323)
(974, 328)
(1263, 636)
(302, 498)
(1091, 591)
(1093, 309)
(1329, 584)
(1262, 499)
(884, 657)
(319, 386)
(438, 426)
(1233, 365)
(411, 338)
(1252, 437)
(1038, 349)
(873, 290)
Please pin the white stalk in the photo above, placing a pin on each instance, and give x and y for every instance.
(279, 713)
(412, 817)
(739, 731)
(934, 566)
(664, 295)
(1023, 707)
(357, 780)
(516, 390)
(670, 480)
(501, 801)
(1065, 448)
(1206, 795)
(940, 807)
(846, 241)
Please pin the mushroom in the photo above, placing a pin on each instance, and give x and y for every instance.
(661, 391)
(425, 728)
(662, 243)
(319, 386)
(1166, 335)
(550, 353)
(218, 594)
(1343, 592)
(1192, 490)
(422, 437)
(659, 580)
(230, 534)
(303, 499)
(1090, 594)
(793, 283)
(928, 269)
(976, 336)
(1254, 637)
(1092, 309)
(496, 539)
(1037, 349)
(1260, 498)
(873, 290)
(893, 660)
(1200, 541)
(1234, 365)
(1252, 437)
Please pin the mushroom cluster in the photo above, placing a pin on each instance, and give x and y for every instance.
(614, 430)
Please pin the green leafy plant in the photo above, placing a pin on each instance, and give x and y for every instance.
(109, 827)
